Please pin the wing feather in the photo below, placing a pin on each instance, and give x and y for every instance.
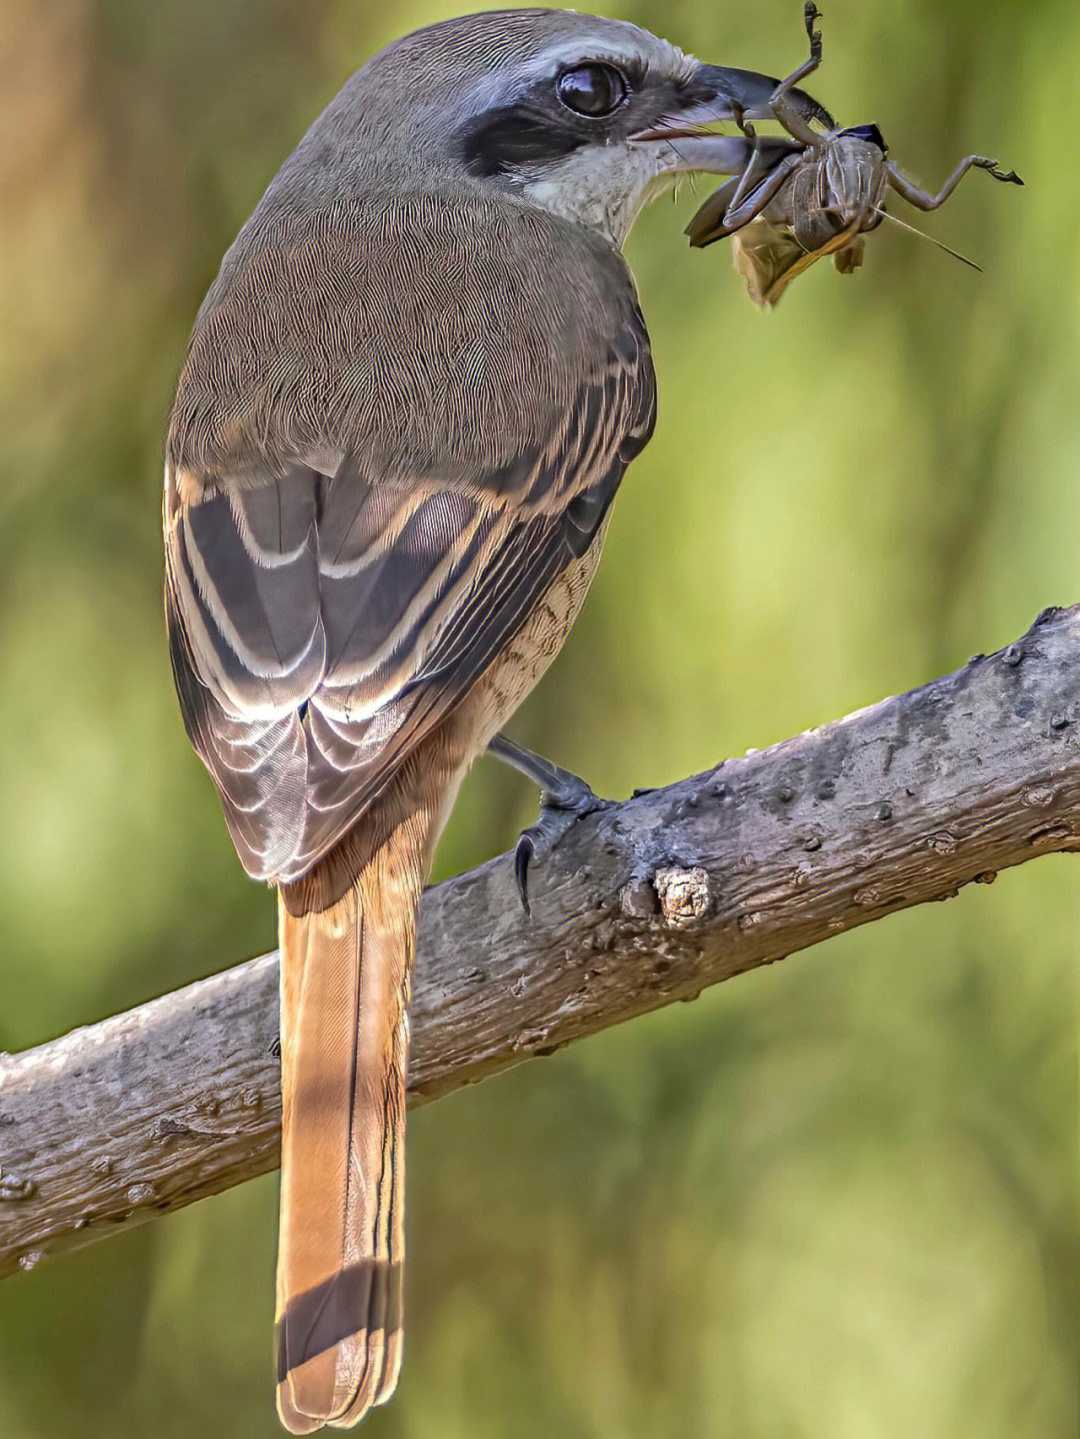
(321, 624)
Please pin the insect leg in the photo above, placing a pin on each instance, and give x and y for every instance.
(711, 221)
(923, 200)
(736, 215)
(751, 165)
(783, 109)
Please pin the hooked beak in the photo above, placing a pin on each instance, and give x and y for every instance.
(714, 94)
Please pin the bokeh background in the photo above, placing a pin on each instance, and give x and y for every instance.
(835, 1198)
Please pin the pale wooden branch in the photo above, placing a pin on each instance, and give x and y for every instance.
(642, 904)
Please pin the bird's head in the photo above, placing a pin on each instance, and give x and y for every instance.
(584, 116)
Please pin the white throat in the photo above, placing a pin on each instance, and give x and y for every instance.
(605, 187)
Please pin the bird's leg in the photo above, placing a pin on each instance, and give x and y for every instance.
(564, 798)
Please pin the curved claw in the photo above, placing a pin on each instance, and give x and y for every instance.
(557, 818)
(523, 853)
(564, 798)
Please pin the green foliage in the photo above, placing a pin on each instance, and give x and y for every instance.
(834, 1199)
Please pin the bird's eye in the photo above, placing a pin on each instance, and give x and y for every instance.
(594, 90)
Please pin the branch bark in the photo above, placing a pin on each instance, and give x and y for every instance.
(644, 903)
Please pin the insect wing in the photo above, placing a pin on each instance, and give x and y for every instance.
(768, 257)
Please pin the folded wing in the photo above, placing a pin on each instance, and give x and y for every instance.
(322, 624)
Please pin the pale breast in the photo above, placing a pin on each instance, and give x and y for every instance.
(509, 679)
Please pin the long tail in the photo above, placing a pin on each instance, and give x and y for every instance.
(345, 977)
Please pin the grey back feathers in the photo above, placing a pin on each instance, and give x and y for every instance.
(399, 418)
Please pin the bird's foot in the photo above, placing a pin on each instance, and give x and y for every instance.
(558, 815)
(564, 799)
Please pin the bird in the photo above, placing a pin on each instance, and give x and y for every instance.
(408, 400)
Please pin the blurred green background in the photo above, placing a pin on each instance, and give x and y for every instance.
(835, 1198)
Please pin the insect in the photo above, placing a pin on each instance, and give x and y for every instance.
(807, 194)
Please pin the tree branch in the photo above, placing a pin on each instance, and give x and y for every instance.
(644, 903)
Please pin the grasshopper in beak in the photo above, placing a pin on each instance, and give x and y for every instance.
(806, 194)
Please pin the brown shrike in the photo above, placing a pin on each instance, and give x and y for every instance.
(409, 399)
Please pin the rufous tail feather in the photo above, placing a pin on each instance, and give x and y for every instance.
(345, 976)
